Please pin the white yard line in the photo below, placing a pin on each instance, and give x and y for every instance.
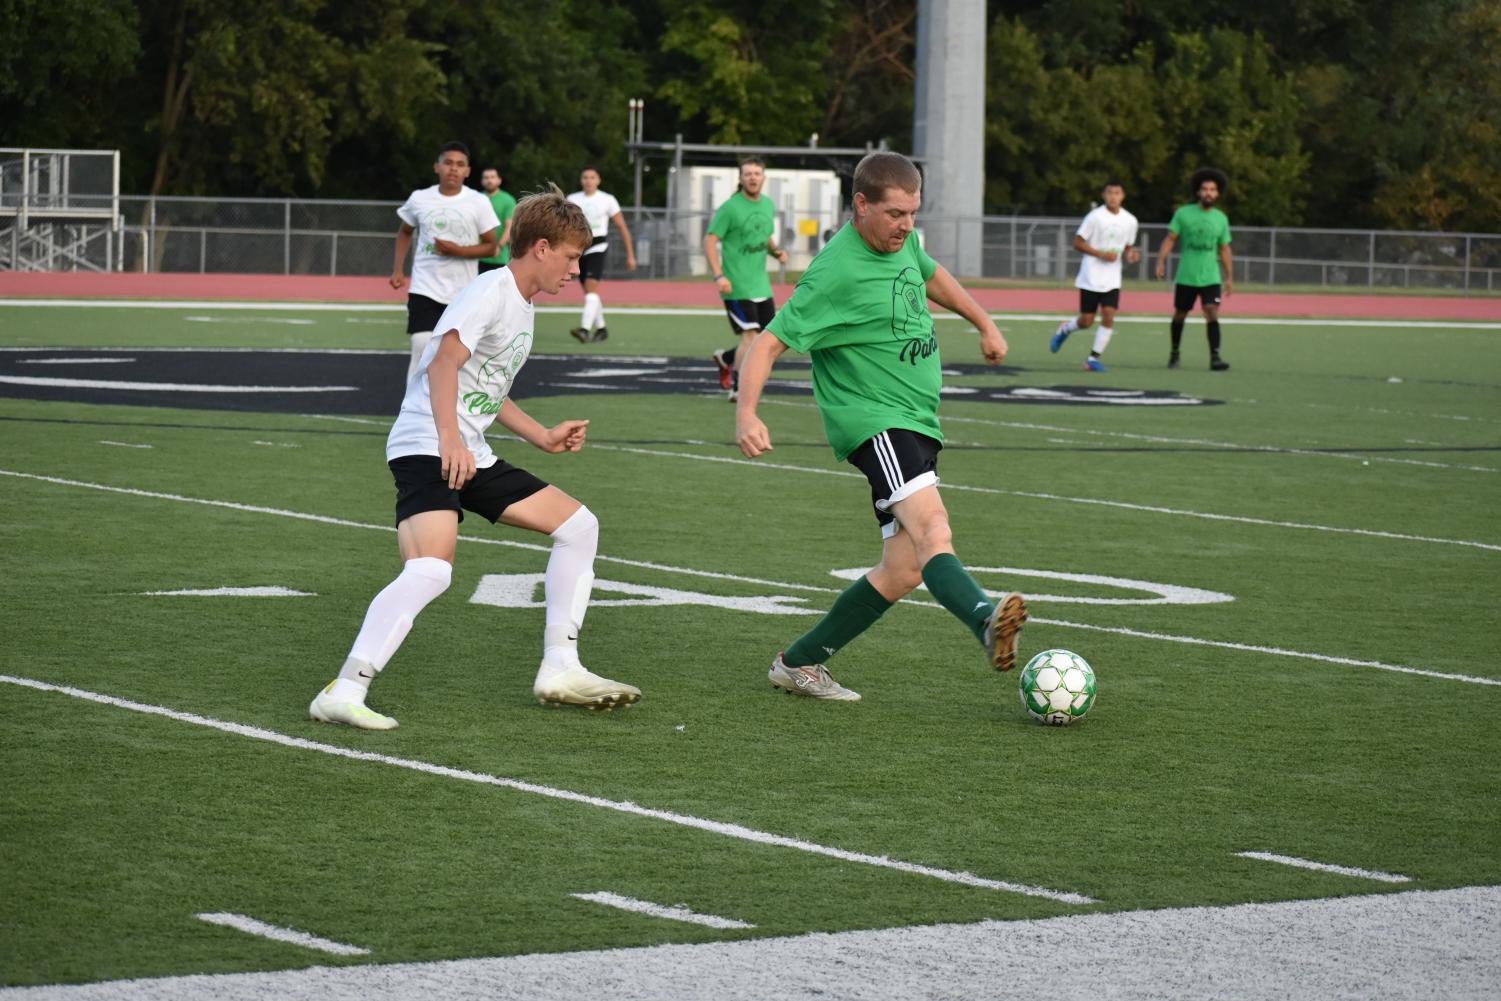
(1343, 870)
(675, 913)
(1417, 944)
(735, 831)
(715, 575)
(251, 926)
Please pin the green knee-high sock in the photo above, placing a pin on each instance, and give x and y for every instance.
(957, 591)
(854, 611)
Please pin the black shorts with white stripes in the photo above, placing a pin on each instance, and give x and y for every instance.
(749, 314)
(898, 463)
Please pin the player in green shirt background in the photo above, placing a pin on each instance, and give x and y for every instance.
(505, 208)
(861, 312)
(741, 234)
(1203, 263)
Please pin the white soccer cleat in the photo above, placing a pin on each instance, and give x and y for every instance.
(813, 681)
(348, 712)
(576, 685)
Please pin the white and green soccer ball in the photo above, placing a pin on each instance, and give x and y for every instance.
(1057, 687)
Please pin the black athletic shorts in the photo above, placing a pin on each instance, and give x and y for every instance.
(423, 313)
(420, 486)
(489, 266)
(1184, 296)
(898, 463)
(1093, 302)
(749, 314)
(592, 266)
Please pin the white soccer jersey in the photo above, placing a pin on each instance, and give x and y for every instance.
(461, 218)
(599, 208)
(495, 324)
(1105, 230)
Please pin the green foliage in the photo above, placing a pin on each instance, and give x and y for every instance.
(1322, 112)
(750, 72)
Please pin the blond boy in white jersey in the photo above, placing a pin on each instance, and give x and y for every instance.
(442, 464)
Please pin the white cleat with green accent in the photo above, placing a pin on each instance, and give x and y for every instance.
(348, 712)
(576, 685)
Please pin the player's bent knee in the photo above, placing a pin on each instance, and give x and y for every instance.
(430, 573)
(582, 526)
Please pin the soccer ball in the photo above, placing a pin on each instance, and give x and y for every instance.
(1057, 687)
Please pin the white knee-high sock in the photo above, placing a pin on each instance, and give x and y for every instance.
(391, 612)
(594, 311)
(566, 587)
(1102, 338)
(419, 345)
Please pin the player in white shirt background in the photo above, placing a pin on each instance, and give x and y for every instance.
(602, 210)
(455, 226)
(443, 465)
(1105, 237)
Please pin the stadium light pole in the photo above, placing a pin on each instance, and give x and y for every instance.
(948, 128)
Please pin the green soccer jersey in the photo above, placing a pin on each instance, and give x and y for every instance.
(505, 207)
(744, 228)
(1200, 234)
(863, 318)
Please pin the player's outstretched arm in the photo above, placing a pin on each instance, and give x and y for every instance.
(565, 437)
(944, 289)
(750, 433)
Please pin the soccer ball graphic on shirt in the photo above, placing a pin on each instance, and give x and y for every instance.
(1057, 687)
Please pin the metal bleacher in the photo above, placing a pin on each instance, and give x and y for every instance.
(59, 209)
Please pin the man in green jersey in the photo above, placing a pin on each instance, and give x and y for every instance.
(861, 312)
(505, 207)
(744, 226)
(1204, 262)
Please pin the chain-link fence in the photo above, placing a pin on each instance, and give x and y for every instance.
(304, 237)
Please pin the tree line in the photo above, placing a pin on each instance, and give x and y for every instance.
(1340, 113)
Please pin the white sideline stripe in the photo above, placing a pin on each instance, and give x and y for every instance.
(620, 806)
(1343, 870)
(714, 575)
(676, 913)
(1124, 505)
(251, 926)
(1403, 944)
(227, 305)
(123, 444)
(165, 387)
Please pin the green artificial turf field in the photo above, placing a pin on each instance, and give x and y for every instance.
(1288, 594)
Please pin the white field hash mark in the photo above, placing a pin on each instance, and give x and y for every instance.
(251, 926)
(1343, 870)
(675, 913)
(716, 575)
(567, 795)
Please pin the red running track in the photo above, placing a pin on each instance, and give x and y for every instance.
(1058, 301)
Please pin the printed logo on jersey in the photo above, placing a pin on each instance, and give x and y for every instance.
(910, 321)
(444, 224)
(496, 373)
